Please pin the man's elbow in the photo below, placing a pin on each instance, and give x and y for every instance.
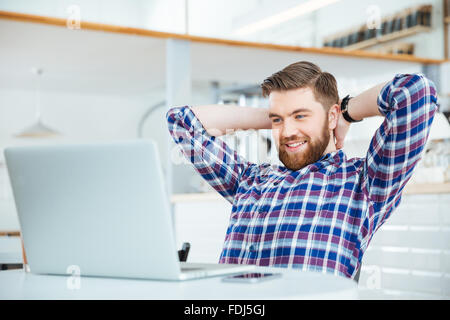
(422, 83)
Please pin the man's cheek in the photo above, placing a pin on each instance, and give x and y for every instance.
(276, 138)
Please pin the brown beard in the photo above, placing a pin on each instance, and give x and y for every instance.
(313, 151)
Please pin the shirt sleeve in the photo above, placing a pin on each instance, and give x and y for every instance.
(212, 158)
(408, 103)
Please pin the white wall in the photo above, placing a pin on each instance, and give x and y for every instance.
(77, 115)
(156, 15)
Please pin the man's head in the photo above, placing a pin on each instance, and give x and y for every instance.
(303, 107)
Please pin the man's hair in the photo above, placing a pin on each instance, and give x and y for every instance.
(304, 74)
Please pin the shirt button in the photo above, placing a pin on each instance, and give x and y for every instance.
(180, 139)
(275, 183)
(251, 248)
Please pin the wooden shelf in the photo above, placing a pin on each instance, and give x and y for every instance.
(388, 37)
(10, 233)
(207, 40)
(447, 19)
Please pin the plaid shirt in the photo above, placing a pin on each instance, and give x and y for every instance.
(323, 216)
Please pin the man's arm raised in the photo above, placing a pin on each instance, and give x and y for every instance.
(217, 119)
(195, 131)
(408, 102)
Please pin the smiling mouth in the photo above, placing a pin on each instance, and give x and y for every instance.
(295, 146)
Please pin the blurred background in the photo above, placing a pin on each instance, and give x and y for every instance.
(86, 71)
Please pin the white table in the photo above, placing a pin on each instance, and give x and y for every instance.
(294, 284)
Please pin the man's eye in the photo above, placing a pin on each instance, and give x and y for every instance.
(297, 116)
(276, 120)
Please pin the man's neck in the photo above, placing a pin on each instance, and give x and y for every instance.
(331, 147)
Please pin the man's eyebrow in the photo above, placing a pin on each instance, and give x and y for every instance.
(271, 115)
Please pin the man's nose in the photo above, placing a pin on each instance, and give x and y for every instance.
(288, 130)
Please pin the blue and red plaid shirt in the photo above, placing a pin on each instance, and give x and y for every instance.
(323, 216)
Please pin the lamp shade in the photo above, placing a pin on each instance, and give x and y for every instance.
(38, 130)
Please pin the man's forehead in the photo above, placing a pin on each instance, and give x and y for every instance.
(287, 102)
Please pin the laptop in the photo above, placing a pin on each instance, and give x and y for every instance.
(101, 209)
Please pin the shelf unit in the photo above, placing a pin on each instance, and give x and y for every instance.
(406, 23)
(388, 37)
(398, 48)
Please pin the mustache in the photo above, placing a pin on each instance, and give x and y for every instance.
(290, 140)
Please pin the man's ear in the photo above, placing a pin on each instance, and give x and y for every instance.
(333, 116)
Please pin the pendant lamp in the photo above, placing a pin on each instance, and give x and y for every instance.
(38, 129)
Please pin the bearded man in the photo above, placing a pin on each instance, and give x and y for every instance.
(319, 210)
